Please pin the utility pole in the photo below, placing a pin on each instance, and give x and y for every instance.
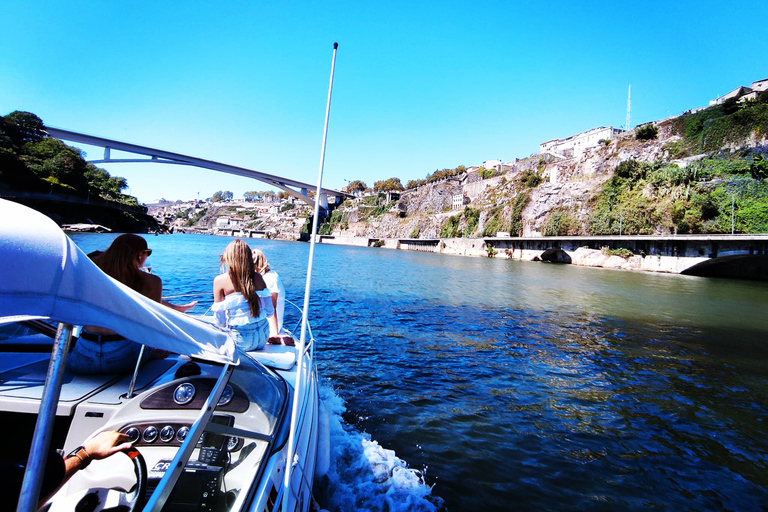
(733, 224)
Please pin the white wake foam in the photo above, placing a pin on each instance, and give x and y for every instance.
(365, 476)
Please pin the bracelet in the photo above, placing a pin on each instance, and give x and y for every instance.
(84, 461)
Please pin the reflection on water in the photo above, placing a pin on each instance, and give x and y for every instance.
(536, 385)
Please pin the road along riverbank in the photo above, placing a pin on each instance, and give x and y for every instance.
(739, 256)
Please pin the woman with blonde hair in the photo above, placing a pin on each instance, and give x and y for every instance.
(241, 300)
(276, 289)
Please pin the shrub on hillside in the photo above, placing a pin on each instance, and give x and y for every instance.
(646, 132)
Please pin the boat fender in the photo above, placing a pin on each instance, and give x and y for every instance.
(323, 443)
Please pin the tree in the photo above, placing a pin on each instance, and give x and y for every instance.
(388, 185)
(217, 196)
(356, 186)
(22, 127)
(227, 195)
(646, 132)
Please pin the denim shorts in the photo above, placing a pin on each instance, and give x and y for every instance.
(252, 336)
(93, 357)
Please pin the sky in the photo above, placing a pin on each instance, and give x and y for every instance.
(419, 85)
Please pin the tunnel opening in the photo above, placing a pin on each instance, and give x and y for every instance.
(555, 255)
(741, 266)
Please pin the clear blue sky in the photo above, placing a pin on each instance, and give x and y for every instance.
(419, 85)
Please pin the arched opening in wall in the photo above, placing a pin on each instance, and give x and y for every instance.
(740, 266)
(555, 256)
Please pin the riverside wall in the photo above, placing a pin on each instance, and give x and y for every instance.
(668, 254)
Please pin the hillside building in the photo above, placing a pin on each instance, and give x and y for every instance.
(576, 145)
(743, 93)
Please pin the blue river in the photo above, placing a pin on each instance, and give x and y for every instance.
(481, 384)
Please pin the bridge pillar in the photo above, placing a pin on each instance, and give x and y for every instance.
(324, 201)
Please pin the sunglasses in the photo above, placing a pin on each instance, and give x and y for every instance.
(148, 252)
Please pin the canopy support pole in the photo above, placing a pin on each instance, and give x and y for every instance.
(41, 440)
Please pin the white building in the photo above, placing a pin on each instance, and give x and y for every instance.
(576, 145)
(458, 201)
(742, 93)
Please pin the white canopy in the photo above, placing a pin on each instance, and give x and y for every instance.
(44, 275)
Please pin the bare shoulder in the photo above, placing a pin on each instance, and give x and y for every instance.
(152, 286)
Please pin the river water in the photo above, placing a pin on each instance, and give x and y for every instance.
(480, 384)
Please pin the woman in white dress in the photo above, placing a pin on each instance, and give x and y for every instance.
(241, 300)
(275, 286)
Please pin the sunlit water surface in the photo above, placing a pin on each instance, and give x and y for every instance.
(480, 384)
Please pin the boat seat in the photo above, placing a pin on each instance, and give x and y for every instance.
(280, 357)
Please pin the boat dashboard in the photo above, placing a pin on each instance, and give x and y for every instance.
(223, 461)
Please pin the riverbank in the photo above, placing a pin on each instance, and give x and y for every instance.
(737, 256)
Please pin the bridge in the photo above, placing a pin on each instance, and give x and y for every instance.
(740, 256)
(159, 156)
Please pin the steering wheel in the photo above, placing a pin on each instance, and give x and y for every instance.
(138, 497)
(96, 498)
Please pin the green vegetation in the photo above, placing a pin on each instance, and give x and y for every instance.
(461, 225)
(703, 197)
(436, 176)
(520, 202)
(731, 122)
(487, 173)
(32, 161)
(529, 178)
(337, 218)
(392, 184)
(561, 222)
(647, 131)
(356, 186)
(286, 207)
(194, 218)
(495, 223)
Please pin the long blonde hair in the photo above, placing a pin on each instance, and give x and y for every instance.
(260, 263)
(239, 261)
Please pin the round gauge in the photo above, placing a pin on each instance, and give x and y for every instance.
(150, 434)
(184, 393)
(226, 396)
(181, 435)
(233, 443)
(133, 433)
(167, 434)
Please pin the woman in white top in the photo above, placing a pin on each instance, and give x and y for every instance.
(241, 300)
(275, 285)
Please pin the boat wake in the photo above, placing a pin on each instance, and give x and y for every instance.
(365, 476)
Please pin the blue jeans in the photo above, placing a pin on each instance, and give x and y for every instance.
(251, 336)
(93, 357)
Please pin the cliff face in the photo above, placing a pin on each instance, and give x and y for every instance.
(564, 184)
(544, 194)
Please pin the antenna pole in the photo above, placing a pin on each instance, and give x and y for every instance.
(301, 348)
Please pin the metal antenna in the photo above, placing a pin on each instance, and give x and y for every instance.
(629, 103)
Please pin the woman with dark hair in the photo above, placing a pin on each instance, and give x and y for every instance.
(241, 299)
(100, 350)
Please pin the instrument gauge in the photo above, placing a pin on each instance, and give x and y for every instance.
(184, 393)
(150, 434)
(134, 434)
(167, 434)
(181, 435)
(226, 396)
